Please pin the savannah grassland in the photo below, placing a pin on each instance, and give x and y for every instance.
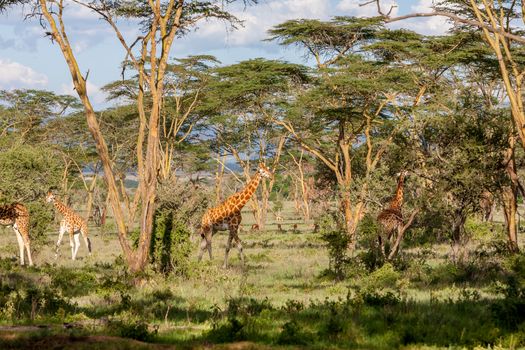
(285, 297)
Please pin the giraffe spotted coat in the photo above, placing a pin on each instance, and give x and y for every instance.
(71, 223)
(17, 216)
(227, 216)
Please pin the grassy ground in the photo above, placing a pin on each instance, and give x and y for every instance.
(281, 298)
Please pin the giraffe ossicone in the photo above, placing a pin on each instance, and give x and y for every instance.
(227, 216)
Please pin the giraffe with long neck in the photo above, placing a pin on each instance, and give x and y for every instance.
(227, 216)
(391, 218)
(72, 223)
(17, 216)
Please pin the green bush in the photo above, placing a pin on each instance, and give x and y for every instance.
(170, 246)
(292, 334)
(180, 206)
(137, 330)
(26, 174)
(384, 278)
(337, 241)
(24, 297)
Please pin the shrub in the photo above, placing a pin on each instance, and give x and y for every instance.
(230, 331)
(170, 246)
(26, 175)
(137, 330)
(23, 298)
(337, 243)
(179, 208)
(292, 334)
(383, 278)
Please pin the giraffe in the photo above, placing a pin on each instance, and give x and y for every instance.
(17, 215)
(391, 218)
(487, 203)
(227, 216)
(72, 223)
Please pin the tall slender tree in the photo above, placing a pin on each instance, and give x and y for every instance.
(161, 23)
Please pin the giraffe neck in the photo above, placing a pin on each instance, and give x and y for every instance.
(61, 207)
(397, 202)
(244, 196)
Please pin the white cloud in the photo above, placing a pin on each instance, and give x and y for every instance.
(353, 8)
(80, 12)
(14, 75)
(435, 25)
(257, 20)
(94, 92)
(424, 25)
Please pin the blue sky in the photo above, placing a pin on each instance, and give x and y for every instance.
(31, 61)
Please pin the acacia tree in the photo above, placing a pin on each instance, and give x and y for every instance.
(245, 97)
(185, 82)
(27, 112)
(303, 184)
(354, 99)
(161, 22)
(498, 23)
(491, 63)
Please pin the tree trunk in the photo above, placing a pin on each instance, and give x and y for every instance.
(349, 219)
(509, 199)
(302, 183)
(458, 225)
(400, 235)
(510, 195)
(91, 190)
(219, 176)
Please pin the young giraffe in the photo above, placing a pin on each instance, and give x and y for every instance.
(227, 216)
(17, 215)
(72, 223)
(391, 218)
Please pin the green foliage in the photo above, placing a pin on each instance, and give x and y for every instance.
(292, 334)
(179, 207)
(28, 113)
(72, 282)
(170, 246)
(26, 174)
(23, 298)
(247, 82)
(384, 278)
(325, 38)
(337, 243)
(137, 330)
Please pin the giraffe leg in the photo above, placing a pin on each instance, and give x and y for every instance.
(20, 244)
(381, 245)
(239, 248)
(208, 240)
(205, 243)
(28, 248)
(202, 247)
(72, 244)
(228, 247)
(77, 244)
(87, 241)
(60, 236)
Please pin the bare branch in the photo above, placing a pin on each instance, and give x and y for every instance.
(458, 19)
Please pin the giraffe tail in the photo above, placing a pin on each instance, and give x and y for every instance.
(88, 241)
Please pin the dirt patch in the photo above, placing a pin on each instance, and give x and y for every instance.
(14, 340)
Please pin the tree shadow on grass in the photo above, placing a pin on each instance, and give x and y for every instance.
(376, 321)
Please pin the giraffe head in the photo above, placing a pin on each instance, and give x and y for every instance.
(50, 197)
(264, 171)
(402, 174)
